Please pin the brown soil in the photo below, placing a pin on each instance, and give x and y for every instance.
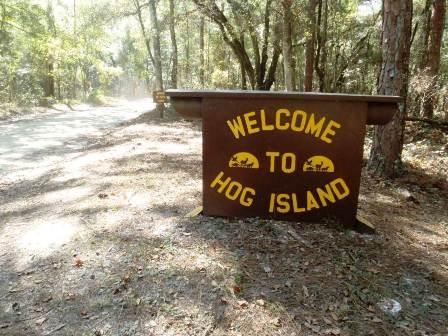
(100, 245)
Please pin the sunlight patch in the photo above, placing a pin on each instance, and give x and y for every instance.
(42, 238)
(66, 195)
(163, 227)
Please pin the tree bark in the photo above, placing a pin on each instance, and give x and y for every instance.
(75, 67)
(49, 87)
(202, 52)
(187, 72)
(174, 56)
(48, 81)
(155, 33)
(321, 53)
(426, 27)
(242, 69)
(310, 44)
(287, 46)
(385, 155)
(138, 9)
(437, 26)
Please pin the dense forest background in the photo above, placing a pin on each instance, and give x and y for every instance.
(72, 50)
(78, 49)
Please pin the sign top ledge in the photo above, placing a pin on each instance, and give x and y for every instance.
(244, 94)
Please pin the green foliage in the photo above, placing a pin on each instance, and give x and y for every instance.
(43, 53)
(96, 97)
(55, 49)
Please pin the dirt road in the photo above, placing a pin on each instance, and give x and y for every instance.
(42, 140)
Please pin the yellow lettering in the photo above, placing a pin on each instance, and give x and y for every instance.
(340, 194)
(295, 204)
(272, 203)
(223, 184)
(264, 125)
(314, 128)
(278, 120)
(272, 156)
(251, 123)
(326, 195)
(244, 199)
(236, 126)
(233, 195)
(294, 121)
(311, 202)
(282, 201)
(329, 131)
(291, 167)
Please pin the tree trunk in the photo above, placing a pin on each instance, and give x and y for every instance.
(321, 53)
(75, 67)
(287, 46)
(145, 38)
(276, 45)
(174, 56)
(187, 74)
(49, 87)
(385, 155)
(155, 34)
(310, 44)
(425, 31)
(202, 52)
(242, 69)
(421, 49)
(437, 26)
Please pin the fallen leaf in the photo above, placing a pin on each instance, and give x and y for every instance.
(47, 299)
(334, 316)
(40, 321)
(333, 331)
(305, 291)
(276, 321)
(79, 262)
(243, 304)
(236, 289)
(127, 278)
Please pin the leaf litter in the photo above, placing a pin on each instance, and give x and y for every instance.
(157, 272)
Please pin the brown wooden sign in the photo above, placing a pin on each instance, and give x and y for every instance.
(283, 156)
(159, 97)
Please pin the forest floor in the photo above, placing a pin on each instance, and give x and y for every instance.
(98, 244)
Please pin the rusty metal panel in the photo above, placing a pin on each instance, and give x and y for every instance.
(282, 159)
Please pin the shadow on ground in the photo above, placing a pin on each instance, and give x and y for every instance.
(134, 265)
